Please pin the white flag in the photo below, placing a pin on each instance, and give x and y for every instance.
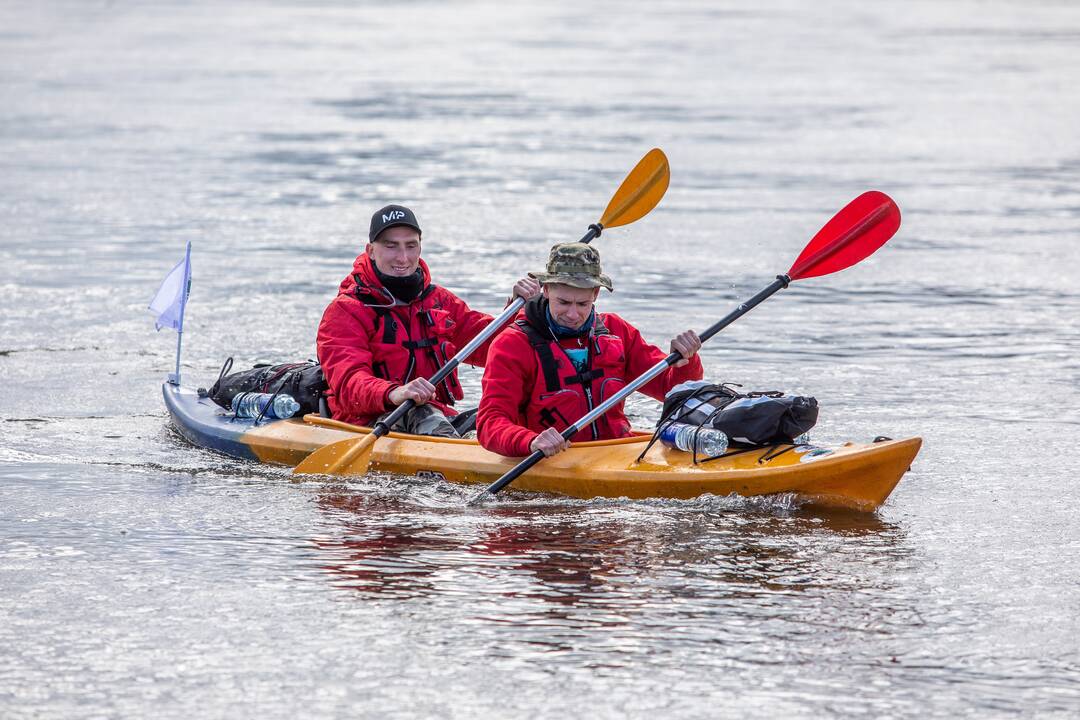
(168, 303)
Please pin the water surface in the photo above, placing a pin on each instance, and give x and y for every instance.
(141, 577)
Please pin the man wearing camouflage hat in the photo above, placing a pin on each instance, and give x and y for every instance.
(389, 329)
(561, 358)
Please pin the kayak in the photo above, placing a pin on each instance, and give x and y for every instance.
(854, 476)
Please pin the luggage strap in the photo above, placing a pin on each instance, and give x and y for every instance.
(669, 419)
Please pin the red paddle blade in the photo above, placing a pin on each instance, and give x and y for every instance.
(854, 233)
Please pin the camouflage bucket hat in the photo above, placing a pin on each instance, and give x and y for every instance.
(575, 264)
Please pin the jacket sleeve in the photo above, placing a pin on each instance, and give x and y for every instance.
(344, 348)
(640, 356)
(470, 323)
(507, 387)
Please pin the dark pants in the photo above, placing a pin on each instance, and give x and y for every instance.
(425, 420)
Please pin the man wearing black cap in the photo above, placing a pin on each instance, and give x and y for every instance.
(389, 329)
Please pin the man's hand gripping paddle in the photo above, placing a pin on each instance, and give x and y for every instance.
(639, 193)
(853, 234)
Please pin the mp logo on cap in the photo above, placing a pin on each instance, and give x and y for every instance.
(394, 215)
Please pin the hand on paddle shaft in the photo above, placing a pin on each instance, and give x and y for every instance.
(852, 235)
(638, 194)
(417, 391)
(686, 344)
(550, 442)
(526, 288)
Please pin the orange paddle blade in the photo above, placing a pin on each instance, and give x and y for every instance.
(351, 456)
(640, 191)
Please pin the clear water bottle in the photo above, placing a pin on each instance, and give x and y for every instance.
(710, 441)
(251, 404)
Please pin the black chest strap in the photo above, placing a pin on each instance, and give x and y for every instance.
(580, 378)
(542, 347)
(382, 313)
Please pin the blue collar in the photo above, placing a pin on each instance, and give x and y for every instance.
(561, 331)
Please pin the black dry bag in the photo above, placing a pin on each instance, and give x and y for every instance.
(755, 418)
(303, 381)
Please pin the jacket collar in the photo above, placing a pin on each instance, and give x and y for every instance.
(370, 285)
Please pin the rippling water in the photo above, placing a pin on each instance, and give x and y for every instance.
(141, 577)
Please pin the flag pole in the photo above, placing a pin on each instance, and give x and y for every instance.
(174, 378)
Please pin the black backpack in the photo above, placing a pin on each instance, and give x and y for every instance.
(304, 381)
(754, 418)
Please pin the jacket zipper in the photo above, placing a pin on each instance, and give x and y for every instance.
(587, 387)
(588, 400)
(545, 396)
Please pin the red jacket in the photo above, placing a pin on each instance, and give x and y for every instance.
(520, 399)
(364, 339)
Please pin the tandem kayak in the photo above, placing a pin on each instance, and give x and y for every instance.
(854, 476)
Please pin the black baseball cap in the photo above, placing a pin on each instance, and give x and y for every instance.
(390, 216)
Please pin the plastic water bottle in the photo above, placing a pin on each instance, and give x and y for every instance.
(251, 404)
(710, 441)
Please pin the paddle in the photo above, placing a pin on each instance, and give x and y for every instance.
(639, 193)
(852, 235)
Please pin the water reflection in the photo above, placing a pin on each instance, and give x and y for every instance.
(599, 555)
(730, 584)
(377, 558)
